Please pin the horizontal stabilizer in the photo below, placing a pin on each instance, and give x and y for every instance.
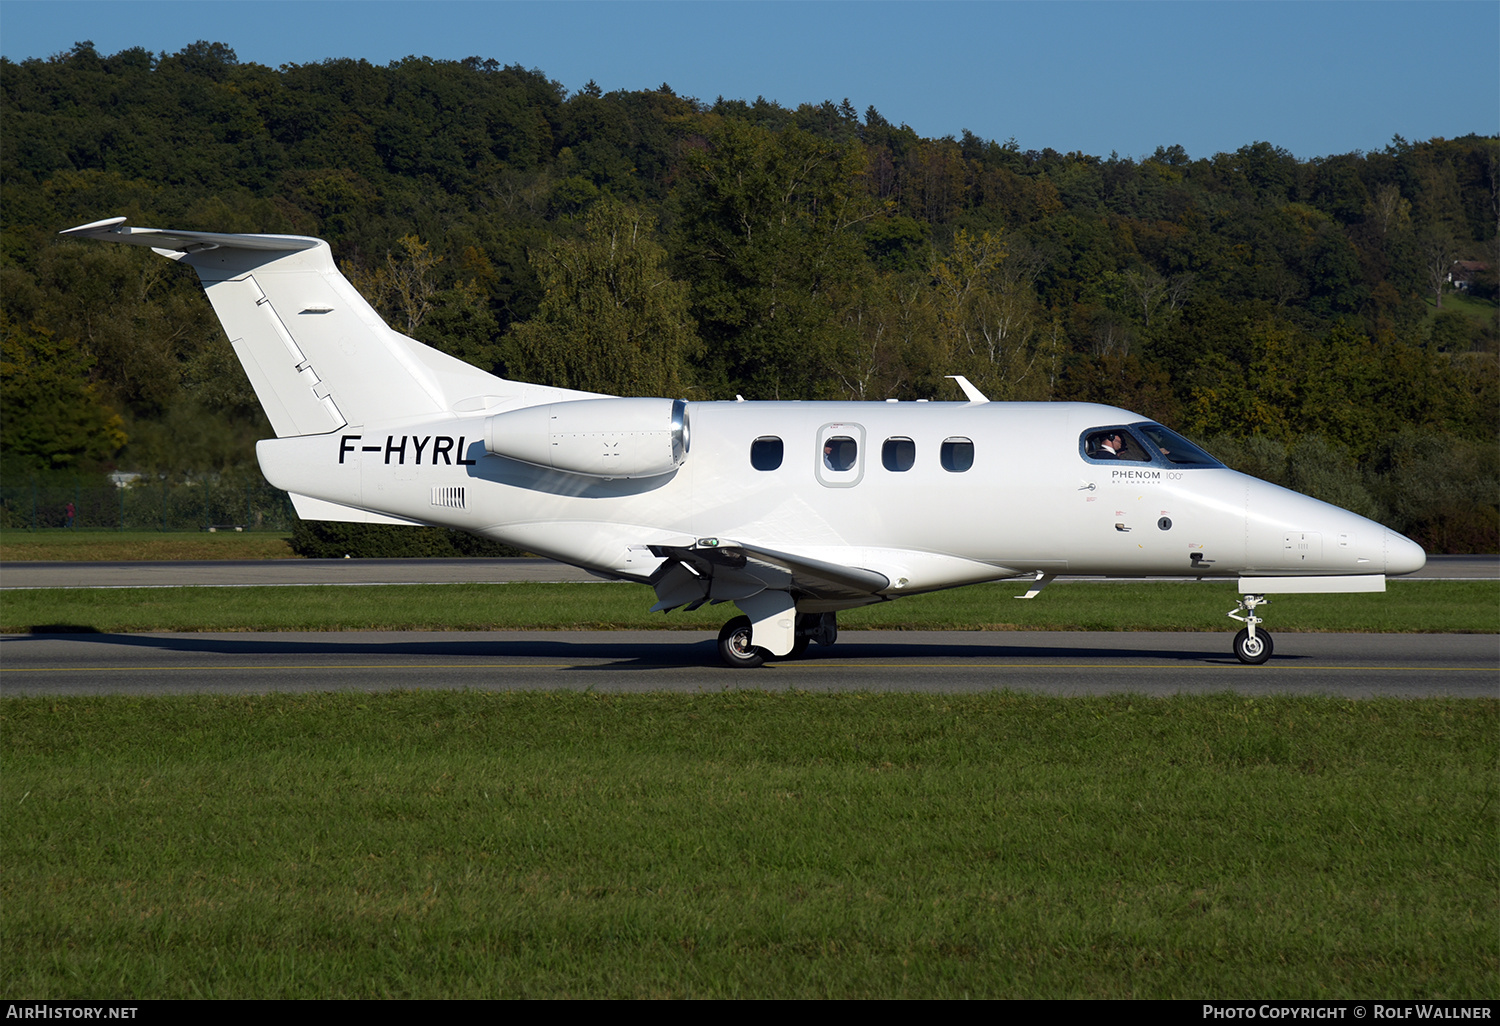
(113, 229)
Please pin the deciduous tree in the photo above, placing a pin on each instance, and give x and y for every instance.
(612, 320)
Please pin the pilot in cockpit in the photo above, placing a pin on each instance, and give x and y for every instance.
(1109, 446)
(1116, 445)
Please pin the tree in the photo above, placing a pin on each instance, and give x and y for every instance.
(987, 317)
(612, 319)
(404, 287)
(53, 418)
(1439, 251)
(890, 349)
(769, 237)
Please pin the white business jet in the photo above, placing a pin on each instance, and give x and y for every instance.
(790, 510)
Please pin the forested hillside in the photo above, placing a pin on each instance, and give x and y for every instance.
(1294, 315)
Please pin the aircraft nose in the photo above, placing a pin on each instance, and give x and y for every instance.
(1402, 555)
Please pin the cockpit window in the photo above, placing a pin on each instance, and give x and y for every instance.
(1144, 443)
(1168, 445)
(1114, 443)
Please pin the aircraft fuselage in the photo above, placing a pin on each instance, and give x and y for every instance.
(932, 494)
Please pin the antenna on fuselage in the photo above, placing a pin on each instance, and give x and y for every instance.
(974, 395)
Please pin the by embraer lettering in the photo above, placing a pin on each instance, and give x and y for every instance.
(1135, 475)
(396, 445)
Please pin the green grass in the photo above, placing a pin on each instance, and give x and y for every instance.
(748, 845)
(1481, 311)
(1423, 606)
(121, 546)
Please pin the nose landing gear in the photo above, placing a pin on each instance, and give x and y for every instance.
(1251, 646)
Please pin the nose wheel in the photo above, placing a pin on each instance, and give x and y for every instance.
(1251, 645)
(1253, 648)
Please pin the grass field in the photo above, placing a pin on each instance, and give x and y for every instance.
(1423, 606)
(748, 845)
(122, 546)
(1481, 311)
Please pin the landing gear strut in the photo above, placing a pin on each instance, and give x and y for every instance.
(820, 627)
(1251, 646)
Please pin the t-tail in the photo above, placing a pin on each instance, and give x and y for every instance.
(320, 359)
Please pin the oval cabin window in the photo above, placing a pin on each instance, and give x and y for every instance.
(840, 452)
(898, 454)
(957, 455)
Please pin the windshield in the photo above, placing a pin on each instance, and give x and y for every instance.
(1173, 448)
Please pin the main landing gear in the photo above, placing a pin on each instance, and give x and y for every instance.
(735, 648)
(737, 651)
(1251, 646)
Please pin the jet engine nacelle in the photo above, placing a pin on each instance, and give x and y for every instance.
(611, 438)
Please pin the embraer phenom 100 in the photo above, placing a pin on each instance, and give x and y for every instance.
(790, 510)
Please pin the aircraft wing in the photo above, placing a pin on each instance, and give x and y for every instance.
(718, 570)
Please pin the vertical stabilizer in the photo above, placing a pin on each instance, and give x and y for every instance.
(319, 357)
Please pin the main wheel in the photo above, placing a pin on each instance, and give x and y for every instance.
(734, 645)
(1254, 650)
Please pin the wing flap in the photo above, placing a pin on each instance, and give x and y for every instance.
(826, 580)
(724, 571)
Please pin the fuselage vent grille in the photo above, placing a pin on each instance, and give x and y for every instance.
(449, 496)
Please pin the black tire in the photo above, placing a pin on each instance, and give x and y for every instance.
(1253, 652)
(735, 648)
(799, 647)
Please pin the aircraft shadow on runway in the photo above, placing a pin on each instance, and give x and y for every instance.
(623, 654)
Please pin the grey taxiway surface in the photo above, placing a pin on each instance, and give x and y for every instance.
(629, 660)
(1354, 665)
(1067, 663)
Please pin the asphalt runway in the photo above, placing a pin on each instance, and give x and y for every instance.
(301, 572)
(1056, 663)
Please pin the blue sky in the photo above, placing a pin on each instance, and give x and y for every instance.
(1313, 77)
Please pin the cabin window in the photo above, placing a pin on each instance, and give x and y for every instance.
(766, 453)
(839, 459)
(957, 455)
(898, 454)
(840, 452)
